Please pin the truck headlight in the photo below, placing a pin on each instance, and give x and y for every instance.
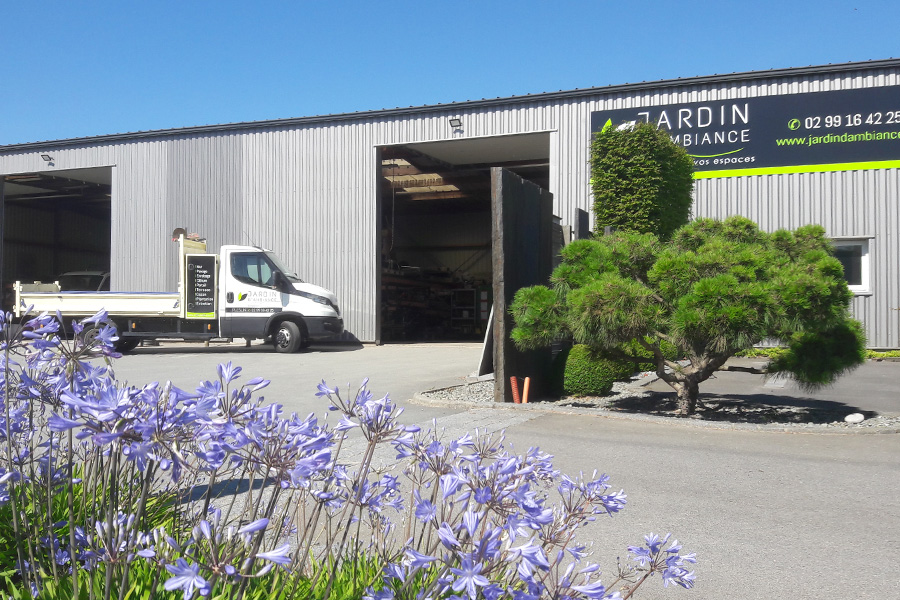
(319, 299)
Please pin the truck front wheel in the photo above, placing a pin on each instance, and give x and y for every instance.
(287, 337)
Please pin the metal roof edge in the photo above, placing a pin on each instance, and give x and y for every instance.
(466, 104)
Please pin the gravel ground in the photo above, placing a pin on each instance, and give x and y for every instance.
(631, 399)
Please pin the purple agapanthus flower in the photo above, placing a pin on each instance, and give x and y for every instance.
(58, 424)
(594, 589)
(324, 390)
(468, 575)
(279, 556)
(679, 576)
(417, 560)
(425, 510)
(471, 519)
(383, 594)
(531, 554)
(451, 482)
(228, 373)
(255, 526)
(483, 495)
(488, 497)
(447, 537)
(186, 577)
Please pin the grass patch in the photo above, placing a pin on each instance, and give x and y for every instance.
(778, 351)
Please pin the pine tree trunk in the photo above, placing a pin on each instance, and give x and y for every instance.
(688, 391)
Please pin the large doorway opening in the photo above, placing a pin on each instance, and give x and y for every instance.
(436, 232)
(56, 223)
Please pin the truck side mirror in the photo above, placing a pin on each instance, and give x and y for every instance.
(281, 282)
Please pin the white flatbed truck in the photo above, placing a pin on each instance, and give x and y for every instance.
(241, 292)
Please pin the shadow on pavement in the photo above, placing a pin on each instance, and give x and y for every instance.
(737, 408)
(181, 348)
(220, 489)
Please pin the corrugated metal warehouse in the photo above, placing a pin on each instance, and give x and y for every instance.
(391, 209)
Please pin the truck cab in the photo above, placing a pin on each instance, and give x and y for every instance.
(263, 298)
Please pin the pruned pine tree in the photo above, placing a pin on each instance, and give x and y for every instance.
(716, 288)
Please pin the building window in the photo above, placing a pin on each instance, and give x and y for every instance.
(854, 255)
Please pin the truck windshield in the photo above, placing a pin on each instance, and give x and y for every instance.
(280, 266)
(258, 268)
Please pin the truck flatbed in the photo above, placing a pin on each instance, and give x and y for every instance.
(84, 304)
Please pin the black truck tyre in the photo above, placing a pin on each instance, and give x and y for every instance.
(91, 330)
(287, 337)
(127, 344)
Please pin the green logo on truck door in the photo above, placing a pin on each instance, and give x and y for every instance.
(259, 296)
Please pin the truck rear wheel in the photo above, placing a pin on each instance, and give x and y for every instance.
(287, 337)
(91, 330)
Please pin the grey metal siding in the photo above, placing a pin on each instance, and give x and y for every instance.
(310, 196)
(140, 227)
(307, 188)
(203, 193)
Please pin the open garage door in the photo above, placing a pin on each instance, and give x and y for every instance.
(435, 203)
(54, 223)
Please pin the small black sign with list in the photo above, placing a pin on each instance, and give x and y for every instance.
(201, 286)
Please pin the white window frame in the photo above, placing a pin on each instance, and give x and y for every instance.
(865, 265)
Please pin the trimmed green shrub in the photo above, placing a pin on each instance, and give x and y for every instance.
(778, 351)
(642, 181)
(587, 373)
(773, 352)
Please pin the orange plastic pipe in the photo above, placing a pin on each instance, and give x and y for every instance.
(515, 389)
(525, 394)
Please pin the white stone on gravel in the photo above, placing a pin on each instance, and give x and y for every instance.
(855, 418)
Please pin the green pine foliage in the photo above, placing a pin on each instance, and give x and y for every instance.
(818, 358)
(715, 289)
(642, 181)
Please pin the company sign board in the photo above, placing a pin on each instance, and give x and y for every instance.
(796, 133)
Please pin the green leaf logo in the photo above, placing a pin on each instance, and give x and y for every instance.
(242, 297)
(606, 126)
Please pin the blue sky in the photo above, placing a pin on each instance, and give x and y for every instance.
(83, 68)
